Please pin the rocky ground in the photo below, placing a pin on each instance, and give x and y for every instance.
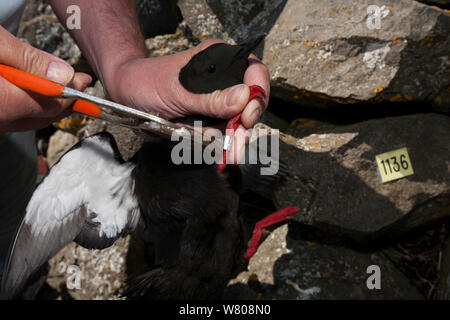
(346, 87)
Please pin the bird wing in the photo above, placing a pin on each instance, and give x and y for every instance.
(88, 196)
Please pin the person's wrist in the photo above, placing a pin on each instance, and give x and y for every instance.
(114, 79)
(113, 66)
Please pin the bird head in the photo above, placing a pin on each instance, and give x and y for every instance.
(218, 67)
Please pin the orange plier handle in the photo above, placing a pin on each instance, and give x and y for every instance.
(31, 82)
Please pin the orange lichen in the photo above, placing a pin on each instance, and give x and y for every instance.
(400, 98)
(311, 43)
(396, 40)
(377, 90)
(426, 40)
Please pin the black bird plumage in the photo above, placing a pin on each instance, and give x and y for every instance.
(190, 210)
(218, 67)
(192, 217)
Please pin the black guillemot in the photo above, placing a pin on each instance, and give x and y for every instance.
(91, 196)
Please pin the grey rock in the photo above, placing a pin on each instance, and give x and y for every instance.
(127, 140)
(89, 274)
(91, 127)
(202, 20)
(287, 268)
(323, 53)
(40, 28)
(169, 43)
(33, 8)
(96, 90)
(333, 177)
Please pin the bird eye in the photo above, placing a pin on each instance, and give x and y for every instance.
(212, 68)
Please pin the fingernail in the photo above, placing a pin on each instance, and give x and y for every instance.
(235, 94)
(255, 108)
(60, 72)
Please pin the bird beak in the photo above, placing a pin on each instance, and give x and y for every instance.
(250, 45)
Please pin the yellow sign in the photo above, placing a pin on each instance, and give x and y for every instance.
(394, 165)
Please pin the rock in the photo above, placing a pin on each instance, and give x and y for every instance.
(202, 20)
(91, 127)
(305, 127)
(418, 255)
(45, 32)
(157, 17)
(96, 90)
(58, 144)
(333, 177)
(287, 268)
(33, 9)
(321, 53)
(272, 120)
(89, 274)
(443, 290)
(127, 141)
(170, 43)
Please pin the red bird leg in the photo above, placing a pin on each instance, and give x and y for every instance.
(255, 92)
(278, 216)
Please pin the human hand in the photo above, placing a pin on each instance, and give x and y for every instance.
(151, 84)
(21, 110)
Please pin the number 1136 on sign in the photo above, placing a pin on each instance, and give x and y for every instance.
(394, 165)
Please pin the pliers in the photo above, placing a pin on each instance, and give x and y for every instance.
(100, 108)
(119, 114)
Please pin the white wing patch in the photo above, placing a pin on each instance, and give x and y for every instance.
(88, 196)
(87, 175)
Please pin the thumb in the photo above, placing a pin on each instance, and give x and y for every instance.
(221, 103)
(20, 55)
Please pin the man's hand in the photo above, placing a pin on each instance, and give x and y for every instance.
(21, 110)
(151, 84)
(110, 39)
